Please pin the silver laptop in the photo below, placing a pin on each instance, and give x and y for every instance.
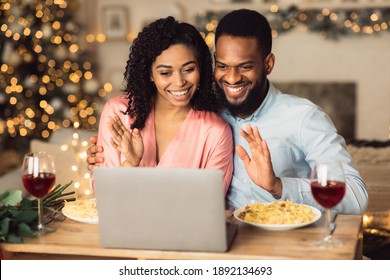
(162, 209)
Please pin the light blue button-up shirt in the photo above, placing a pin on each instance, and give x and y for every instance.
(298, 133)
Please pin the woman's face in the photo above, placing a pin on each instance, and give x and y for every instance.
(176, 75)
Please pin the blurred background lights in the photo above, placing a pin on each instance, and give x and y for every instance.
(47, 76)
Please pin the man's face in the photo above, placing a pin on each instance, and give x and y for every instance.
(240, 74)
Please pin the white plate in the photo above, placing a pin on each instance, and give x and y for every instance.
(280, 227)
(77, 218)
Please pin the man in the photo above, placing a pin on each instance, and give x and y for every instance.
(276, 164)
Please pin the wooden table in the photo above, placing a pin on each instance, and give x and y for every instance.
(74, 240)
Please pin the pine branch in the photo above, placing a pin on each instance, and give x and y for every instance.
(18, 215)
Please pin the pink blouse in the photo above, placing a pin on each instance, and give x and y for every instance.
(203, 141)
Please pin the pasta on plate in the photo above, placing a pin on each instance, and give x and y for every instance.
(82, 209)
(279, 212)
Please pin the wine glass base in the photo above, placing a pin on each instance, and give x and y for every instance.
(330, 243)
(44, 230)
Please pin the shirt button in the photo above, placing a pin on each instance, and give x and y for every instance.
(245, 181)
(252, 201)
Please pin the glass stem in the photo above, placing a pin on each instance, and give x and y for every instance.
(40, 213)
(328, 233)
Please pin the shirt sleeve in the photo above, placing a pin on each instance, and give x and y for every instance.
(111, 155)
(320, 142)
(222, 156)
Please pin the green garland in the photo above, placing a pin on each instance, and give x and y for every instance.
(330, 23)
(18, 215)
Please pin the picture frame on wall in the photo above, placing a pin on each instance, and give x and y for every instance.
(115, 22)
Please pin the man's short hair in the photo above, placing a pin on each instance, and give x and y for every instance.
(246, 23)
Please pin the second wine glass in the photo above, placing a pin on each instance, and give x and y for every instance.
(38, 176)
(328, 189)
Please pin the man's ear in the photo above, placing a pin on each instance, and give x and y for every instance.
(269, 63)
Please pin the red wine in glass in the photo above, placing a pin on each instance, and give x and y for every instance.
(40, 185)
(38, 176)
(327, 183)
(330, 195)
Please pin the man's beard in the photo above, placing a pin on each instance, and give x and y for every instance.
(252, 101)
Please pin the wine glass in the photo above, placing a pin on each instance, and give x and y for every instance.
(328, 189)
(38, 176)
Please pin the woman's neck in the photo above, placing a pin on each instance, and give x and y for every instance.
(171, 112)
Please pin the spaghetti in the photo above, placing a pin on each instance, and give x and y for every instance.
(83, 208)
(279, 212)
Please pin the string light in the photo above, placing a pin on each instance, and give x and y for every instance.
(328, 23)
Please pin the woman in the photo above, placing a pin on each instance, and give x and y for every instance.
(167, 117)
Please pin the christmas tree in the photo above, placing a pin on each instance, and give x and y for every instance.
(47, 80)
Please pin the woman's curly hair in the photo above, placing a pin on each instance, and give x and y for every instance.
(150, 43)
